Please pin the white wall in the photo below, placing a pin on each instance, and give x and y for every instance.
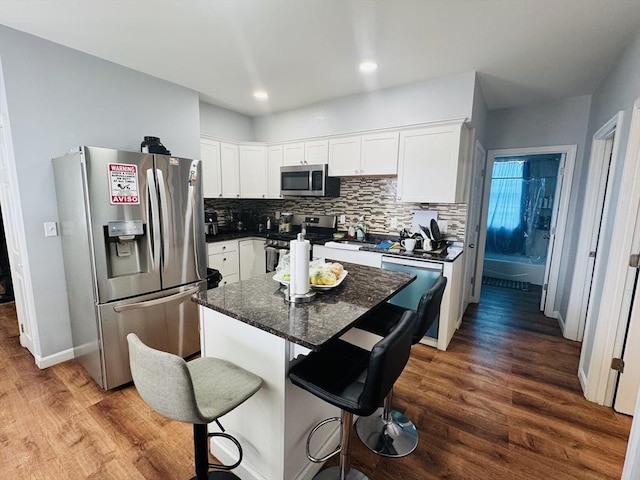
(617, 93)
(222, 123)
(59, 98)
(563, 122)
(433, 100)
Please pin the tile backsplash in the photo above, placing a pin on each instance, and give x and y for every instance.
(371, 197)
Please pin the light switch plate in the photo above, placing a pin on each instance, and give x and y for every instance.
(343, 219)
(394, 223)
(50, 229)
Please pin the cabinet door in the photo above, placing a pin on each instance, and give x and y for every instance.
(316, 152)
(230, 170)
(294, 153)
(211, 179)
(380, 154)
(344, 156)
(428, 164)
(275, 159)
(252, 258)
(253, 171)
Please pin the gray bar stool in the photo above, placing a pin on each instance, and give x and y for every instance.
(196, 392)
(356, 381)
(390, 433)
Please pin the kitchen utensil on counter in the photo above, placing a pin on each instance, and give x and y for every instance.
(409, 244)
(426, 232)
(436, 236)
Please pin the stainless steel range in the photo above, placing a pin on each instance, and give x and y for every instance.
(317, 229)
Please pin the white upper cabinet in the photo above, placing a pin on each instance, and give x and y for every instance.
(293, 153)
(316, 152)
(344, 156)
(306, 153)
(230, 170)
(371, 154)
(275, 159)
(380, 154)
(211, 177)
(432, 163)
(253, 171)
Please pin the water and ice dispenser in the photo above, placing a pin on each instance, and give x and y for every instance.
(127, 250)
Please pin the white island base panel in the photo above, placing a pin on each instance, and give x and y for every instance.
(272, 426)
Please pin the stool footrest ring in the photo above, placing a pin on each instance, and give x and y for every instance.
(235, 442)
(315, 429)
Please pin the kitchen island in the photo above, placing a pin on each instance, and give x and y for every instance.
(249, 323)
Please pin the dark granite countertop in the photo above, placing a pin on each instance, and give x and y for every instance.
(260, 302)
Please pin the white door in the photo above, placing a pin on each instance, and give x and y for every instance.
(12, 218)
(629, 379)
(472, 280)
(552, 236)
(603, 160)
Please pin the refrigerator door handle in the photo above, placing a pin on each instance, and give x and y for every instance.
(156, 301)
(154, 245)
(164, 206)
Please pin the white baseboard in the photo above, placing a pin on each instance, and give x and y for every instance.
(50, 360)
(558, 316)
(583, 381)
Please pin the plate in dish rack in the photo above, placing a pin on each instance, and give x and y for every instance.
(278, 278)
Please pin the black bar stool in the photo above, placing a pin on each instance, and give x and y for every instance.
(196, 392)
(356, 381)
(390, 433)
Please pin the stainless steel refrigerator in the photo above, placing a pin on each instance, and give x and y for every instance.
(134, 252)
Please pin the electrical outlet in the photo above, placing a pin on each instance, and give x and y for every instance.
(394, 223)
(343, 219)
(50, 229)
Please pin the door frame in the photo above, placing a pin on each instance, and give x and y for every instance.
(612, 316)
(559, 222)
(594, 201)
(474, 214)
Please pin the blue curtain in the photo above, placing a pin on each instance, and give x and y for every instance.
(505, 223)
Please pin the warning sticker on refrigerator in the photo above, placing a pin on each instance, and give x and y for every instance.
(123, 184)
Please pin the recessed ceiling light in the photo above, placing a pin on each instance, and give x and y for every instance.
(368, 67)
(261, 95)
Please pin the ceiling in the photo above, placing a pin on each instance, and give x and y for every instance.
(307, 51)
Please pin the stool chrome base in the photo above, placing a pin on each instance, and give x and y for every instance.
(219, 475)
(395, 437)
(333, 473)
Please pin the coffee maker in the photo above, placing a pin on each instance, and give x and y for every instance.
(211, 223)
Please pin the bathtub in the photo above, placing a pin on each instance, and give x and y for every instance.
(515, 267)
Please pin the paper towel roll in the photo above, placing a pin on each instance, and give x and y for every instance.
(299, 266)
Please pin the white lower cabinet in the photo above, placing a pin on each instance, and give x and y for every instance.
(237, 259)
(224, 257)
(252, 258)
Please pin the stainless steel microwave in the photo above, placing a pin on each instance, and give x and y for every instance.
(308, 181)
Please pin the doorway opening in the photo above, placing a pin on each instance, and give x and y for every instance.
(523, 222)
(6, 285)
(521, 203)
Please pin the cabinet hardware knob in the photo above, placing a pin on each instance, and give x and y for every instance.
(472, 245)
(224, 259)
(361, 171)
(356, 171)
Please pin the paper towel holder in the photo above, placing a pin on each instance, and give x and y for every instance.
(299, 297)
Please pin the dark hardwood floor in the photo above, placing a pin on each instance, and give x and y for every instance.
(503, 402)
